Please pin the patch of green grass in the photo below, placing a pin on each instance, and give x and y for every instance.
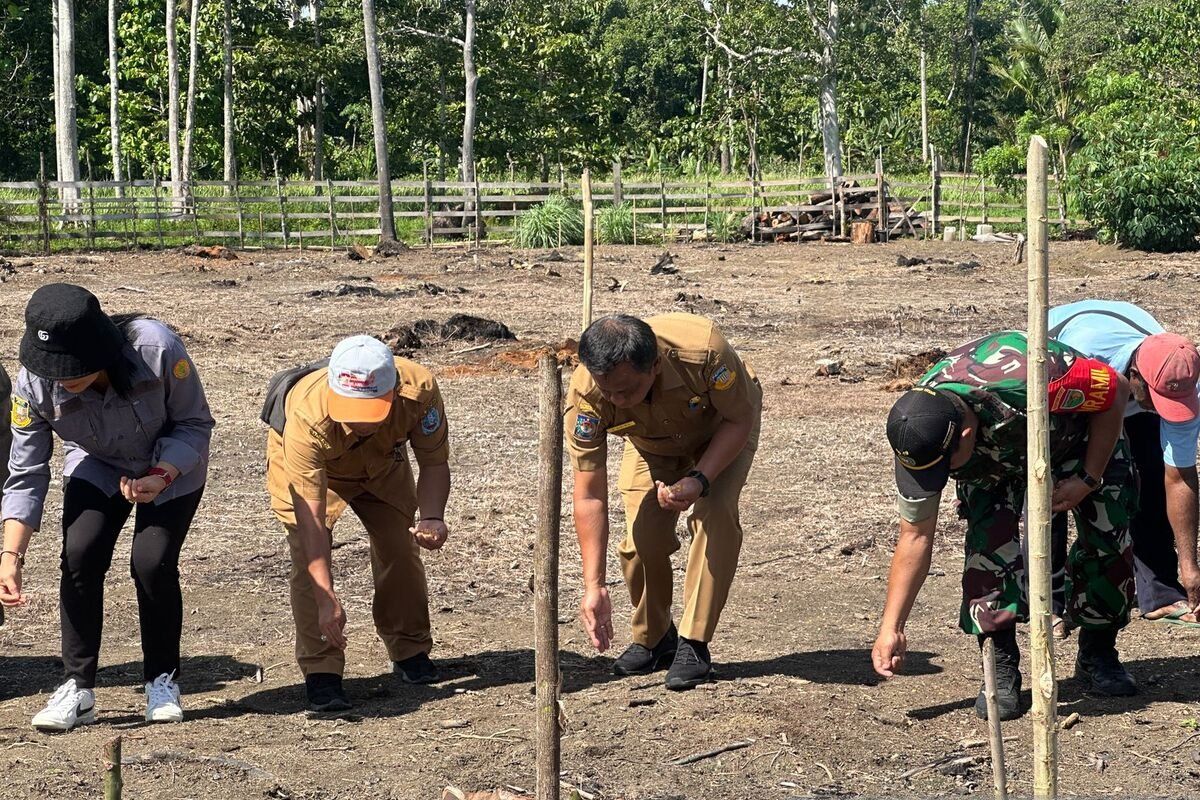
(557, 221)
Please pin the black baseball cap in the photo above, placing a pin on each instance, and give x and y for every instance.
(67, 335)
(923, 429)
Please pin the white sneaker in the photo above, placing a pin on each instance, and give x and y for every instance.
(162, 699)
(68, 707)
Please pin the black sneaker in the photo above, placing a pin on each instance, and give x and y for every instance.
(416, 669)
(691, 666)
(1008, 677)
(325, 692)
(1098, 666)
(641, 660)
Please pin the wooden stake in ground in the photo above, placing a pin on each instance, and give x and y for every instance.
(545, 576)
(112, 769)
(995, 737)
(588, 247)
(1045, 688)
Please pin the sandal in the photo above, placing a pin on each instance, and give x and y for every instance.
(1167, 611)
(1176, 617)
(1060, 628)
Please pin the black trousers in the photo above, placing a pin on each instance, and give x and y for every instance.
(92, 522)
(1156, 564)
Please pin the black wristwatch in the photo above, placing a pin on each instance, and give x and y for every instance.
(700, 476)
(1089, 481)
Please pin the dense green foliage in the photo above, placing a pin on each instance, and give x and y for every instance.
(583, 82)
(555, 222)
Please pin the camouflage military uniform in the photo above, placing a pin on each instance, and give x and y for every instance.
(989, 374)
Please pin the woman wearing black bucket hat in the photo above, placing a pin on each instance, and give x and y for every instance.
(122, 394)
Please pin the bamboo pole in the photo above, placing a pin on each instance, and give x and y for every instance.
(44, 206)
(995, 736)
(428, 205)
(884, 210)
(157, 209)
(1045, 689)
(112, 769)
(545, 578)
(589, 234)
(237, 199)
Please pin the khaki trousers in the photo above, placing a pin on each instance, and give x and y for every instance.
(401, 603)
(650, 541)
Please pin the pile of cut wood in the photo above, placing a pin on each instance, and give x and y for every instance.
(830, 216)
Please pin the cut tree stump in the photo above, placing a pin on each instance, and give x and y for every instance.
(862, 232)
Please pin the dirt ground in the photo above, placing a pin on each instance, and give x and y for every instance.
(792, 650)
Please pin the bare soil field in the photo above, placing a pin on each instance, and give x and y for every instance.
(792, 651)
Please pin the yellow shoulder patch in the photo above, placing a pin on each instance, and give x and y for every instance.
(723, 378)
(21, 415)
(182, 369)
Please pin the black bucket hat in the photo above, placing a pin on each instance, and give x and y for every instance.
(67, 336)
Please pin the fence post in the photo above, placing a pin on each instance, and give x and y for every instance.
(935, 195)
(332, 216)
(983, 199)
(157, 210)
(662, 205)
(585, 185)
(195, 209)
(707, 203)
(44, 206)
(428, 206)
(885, 209)
(91, 229)
(237, 199)
(283, 226)
(132, 210)
(618, 189)
(478, 213)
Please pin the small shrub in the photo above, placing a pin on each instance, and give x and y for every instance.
(614, 225)
(1002, 164)
(554, 222)
(725, 228)
(1139, 181)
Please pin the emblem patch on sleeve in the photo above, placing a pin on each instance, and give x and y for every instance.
(723, 378)
(431, 421)
(1088, 387)
(182, 369)
(21, 415)
(587, 428)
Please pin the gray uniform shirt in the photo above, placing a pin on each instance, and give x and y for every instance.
(165, 418)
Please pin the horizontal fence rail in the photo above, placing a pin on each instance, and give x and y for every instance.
(282, 213)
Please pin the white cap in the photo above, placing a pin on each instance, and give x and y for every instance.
(362, 380)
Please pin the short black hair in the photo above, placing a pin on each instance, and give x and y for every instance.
(618, 339)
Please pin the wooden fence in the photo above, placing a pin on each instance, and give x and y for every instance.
(44, 215)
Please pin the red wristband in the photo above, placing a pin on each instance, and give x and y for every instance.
(159, 472)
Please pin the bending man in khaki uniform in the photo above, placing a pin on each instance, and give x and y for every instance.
(338, 438)
(689, 410)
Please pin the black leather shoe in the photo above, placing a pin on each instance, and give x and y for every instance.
(641, 660)
(325, 693)
(691, 666)
(416, 669)
(1098, 666)
(1008, 677)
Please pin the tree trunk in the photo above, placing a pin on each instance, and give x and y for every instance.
(114, 118)
(387, 223)
(924, 111)
(443, 148)
(726, 147)
(471, 81)
(56, 70)
(189, 117)
(318, 102)
(69, 133)
(471, 84)
(828, 30)
(173, 102)
(230, 172)
(969, 89)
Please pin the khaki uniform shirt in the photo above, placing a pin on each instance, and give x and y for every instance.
(316, 455)
(703, 381)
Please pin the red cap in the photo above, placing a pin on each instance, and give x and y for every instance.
(1170, 366)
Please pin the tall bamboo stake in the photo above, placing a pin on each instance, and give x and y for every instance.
(545, 577)
(1045, 689)
(588, 247)
(112, 769)
(995, 736)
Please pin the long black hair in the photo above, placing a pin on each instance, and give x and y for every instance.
(120, 372)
